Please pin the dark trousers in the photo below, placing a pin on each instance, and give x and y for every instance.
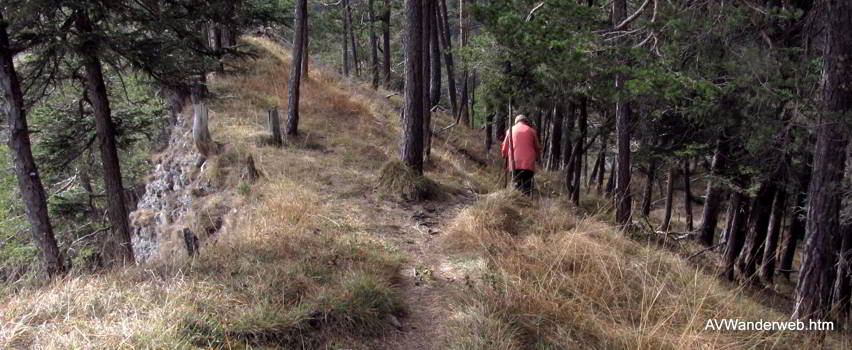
(523, 180)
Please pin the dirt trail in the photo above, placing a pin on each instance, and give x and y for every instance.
(426, 281)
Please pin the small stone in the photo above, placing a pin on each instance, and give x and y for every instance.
(394, 322)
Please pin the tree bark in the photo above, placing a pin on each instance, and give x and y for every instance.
(602, 156)
(274, 126)
(374, 46)
(736, 234)
(489, 119)
(578, 151)
(121, 249)
(412, 121)
(201, 134)
(667, 216)
(687, 195)
(623, 200)
(306, 57)
(350, 32)
(818, 273)
(713, 197)
(344, 6)
(767, 269)
(649, 188)
(555, 156)
(843, 283)
(426, 21)
(463, 106)
(386, 42)
(296, 69)
(447, 44)
(794, 234)
(26, 171)
(758, 224)
(434, 55)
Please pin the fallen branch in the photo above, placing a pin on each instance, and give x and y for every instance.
(702, 251)
(392, 95)
(532, 12)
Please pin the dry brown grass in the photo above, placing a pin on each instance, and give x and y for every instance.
(290, 267)
(551, 283)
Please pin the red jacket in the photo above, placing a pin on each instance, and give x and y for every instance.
(524, 143)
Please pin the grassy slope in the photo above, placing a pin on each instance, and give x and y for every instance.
(310, 258)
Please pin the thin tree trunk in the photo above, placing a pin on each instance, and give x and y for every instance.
(758, 224)
(26, 171)
(794, 234)
(736, 234)
(578, 152)
(463, 111)
(602, 156)
(596, 169)
(667, 217)
(623, 200)
(447, 43)
(555, 156)
(306, 57)
(649, 188)
(374, 46)
(346, 25)
(713, 197)
(687, 194)
(426, 22)
(489, 118)
(386, 42)
(767, 269)
(843, 283)
(351, 36)
(816, 280)
(121, 250)
(296, 70)
(434, 55)
(412, 130)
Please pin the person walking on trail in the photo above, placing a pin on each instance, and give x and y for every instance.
(522, 140)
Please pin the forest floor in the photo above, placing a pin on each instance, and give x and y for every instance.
(317, 255)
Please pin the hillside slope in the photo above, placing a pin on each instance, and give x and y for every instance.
(317, 254)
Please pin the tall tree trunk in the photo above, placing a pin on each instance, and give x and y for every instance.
(463, 106)
(736, 234)
(426, 22)
(121, 250)
(306, 57)
(346, 25)
(489, 119)
(816, 280)
(602, 156)
(26, 171)
(447, 43)
(758, 225)
(412, 122)
(793, 235)
(843, 284)
(767, 269)
(296, 69)
(499, 123)
(386, 42)
(713, 197)
(622, 130)
(434, 55)
(687, 194)
(374, 46)
(667, 217)
(649, 188)
(567, 144)
(350, 28)
(578, 150)
(555, 156)
(596, 169)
